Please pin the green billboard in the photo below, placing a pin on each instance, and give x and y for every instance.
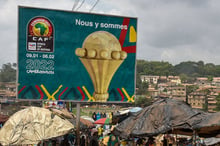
(74, 56)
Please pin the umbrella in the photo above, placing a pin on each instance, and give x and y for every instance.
(135, 109)
(88, 123)
(32, 125)
(103, 121)
(84, 123)
(120, 116)
(162, 116)
(87, 118)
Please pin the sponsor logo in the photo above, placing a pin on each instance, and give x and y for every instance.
(32, 46)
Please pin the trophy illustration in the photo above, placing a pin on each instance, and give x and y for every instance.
(101, 54)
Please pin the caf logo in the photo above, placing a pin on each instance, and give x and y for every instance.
(40, 35)
(40, 26)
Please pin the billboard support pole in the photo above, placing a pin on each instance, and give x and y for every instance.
(78, 124)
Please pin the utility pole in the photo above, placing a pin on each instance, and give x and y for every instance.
(78, 124)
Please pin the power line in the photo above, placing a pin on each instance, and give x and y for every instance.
(94, 5)
(75, 4)
(80, 4)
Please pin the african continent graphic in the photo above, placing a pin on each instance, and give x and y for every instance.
(40, 29)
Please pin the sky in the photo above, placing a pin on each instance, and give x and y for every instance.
(172, 31)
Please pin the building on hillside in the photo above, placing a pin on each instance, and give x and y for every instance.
(197, 99)
(149, 79)
(212, 102)
(171, 90)
(204, 96)
(8, 86)
(7, 91)
(162, 87)
(152, 91)
(202, 81)
(174, 79)
(2, 93)
(162, 79)
(216, 81)
(178, 93)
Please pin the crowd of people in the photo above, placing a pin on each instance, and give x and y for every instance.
(94, 138)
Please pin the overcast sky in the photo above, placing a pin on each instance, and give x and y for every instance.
(168, 30)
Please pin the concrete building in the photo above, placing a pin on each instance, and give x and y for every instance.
(174, 79)
(202, 81)
(7, 91)
(205, 96)
(216, 81)
(149, 79)
(178, 93)
(197, 99)
(153, 92)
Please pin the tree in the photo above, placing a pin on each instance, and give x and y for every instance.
(184, 78)
(187, 68)
(210, 69)
(138, 80)
(190, 89)
(142, 101)
(190, 68)
(217, 103)
(8, 72)
(200, 68)
(141, 64)
(154, 68)
(205, 105)
(142, 89)
(210, 78)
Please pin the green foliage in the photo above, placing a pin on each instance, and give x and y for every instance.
(183, 77)
(218, 103)
(142, 101)
(8, 72)
(205, 107)
(186, 78)
(138, 81)
(187, 69)
(142, 88)
(165, 90)
(141, 64)
(191, 88)
(154, 68)
(210, 78)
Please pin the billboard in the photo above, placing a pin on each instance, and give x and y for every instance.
(74, 56)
